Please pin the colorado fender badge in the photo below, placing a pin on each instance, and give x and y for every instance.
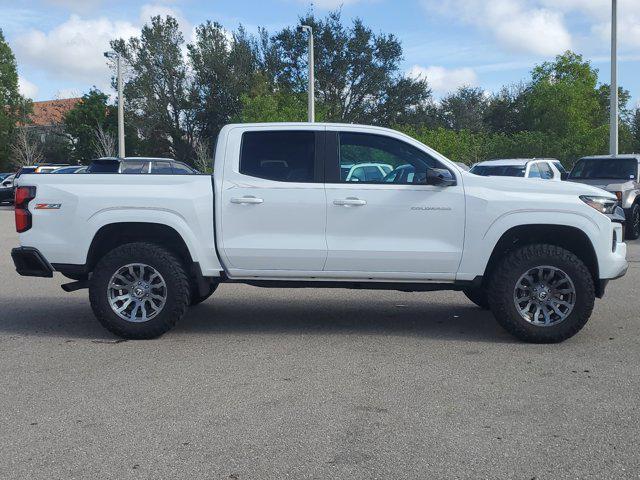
(48, 206)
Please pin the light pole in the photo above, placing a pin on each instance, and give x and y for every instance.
(613, 94)
(112, 55)
(311, 89)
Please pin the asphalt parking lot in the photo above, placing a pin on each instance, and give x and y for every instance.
(260, 383)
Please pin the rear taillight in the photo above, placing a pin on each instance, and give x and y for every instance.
(23, 217)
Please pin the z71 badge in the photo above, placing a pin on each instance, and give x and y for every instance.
(48, 206)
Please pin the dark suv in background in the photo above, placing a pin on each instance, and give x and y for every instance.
(618, 175)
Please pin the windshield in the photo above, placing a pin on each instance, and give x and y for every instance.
(596, 168)
(499, 170)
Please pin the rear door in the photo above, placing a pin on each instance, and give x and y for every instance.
(273, 211)
(396, 227)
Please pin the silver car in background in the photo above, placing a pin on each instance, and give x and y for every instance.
(618, 175)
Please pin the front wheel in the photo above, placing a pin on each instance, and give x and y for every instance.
(541, 293)
(633, 223)
(139, 290)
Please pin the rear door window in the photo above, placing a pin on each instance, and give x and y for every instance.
(161, 168)
(283, 156)
(134, 167)
(181, 169)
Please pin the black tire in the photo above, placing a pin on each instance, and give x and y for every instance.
(164, 262)
(632, 230)
(515, 264)
(478, 295)
(197, 299)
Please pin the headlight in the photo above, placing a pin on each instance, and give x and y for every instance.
(604, 205)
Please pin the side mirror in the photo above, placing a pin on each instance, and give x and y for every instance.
(564, 175)
(440, 177)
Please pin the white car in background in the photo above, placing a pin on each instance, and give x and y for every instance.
(544, 168)
(368, 172)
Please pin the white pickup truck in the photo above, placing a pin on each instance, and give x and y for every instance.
(277, 212)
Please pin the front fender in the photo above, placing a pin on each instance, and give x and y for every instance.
(480, 242)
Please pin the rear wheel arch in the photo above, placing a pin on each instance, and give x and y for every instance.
(113, 235)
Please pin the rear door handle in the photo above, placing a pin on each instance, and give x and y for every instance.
(350, 202)
(248, 200)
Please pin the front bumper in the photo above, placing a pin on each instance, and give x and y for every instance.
(30, 262)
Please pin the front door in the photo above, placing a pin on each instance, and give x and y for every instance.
(398, 224)
(273, 210)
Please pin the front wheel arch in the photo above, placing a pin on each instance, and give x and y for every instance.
(572, 239)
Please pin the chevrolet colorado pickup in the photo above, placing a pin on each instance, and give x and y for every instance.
(277, 212)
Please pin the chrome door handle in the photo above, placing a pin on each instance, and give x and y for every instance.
(350, 202)
(247, 200)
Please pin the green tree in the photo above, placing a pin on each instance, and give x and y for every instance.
(357, 72)
(82, 122)
(505, 110)
(635, 130)
(14, 108)
(224, 70)
(159, 92)
(465, 109)
(562, 97)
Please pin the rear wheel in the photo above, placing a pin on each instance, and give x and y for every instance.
(139, 290)
(478, 295)
(633, 223)
(541, 293)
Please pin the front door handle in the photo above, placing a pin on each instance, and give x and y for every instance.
(350, 202)
(248, 200)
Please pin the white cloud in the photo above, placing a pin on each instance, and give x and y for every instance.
(599, 11)
(73, 49)
(26, 88)
(67, 93)
(518, 25)
(155, 9)
(444, 80)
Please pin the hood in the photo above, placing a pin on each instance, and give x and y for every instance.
(610, 185)
(533, 185)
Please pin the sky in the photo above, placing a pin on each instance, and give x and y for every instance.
(59, 44)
